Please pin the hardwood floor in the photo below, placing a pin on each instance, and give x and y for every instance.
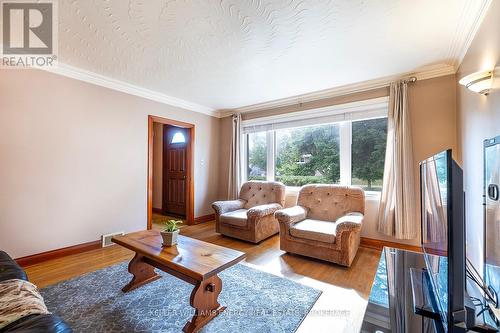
(157, 220)
(339, 309)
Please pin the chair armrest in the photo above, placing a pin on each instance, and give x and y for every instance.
(222, 207)
(349, 222)
(291, 215)
(263, 210)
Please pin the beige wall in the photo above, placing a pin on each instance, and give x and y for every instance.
(432, 106)
(478, 119)
(74, 161)
(157, 165)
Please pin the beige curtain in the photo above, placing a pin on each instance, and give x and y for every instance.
(399, 291)
(395, 262)
(398, 198)
(435, 213)
(235, 159)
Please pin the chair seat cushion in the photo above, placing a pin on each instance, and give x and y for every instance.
(316, 230)
(236, 217)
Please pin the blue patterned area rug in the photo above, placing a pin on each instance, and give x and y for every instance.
(256, 302)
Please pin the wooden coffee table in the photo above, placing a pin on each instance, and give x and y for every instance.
(191, 260)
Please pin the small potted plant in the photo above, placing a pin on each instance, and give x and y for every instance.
(170, 232)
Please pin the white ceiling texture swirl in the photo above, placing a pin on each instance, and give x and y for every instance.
(224, 54)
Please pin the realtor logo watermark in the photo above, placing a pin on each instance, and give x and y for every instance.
(29, 34)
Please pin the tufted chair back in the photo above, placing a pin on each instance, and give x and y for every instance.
(330, 202)
(261, 193)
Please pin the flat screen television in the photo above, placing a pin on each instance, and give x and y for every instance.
(443, 235)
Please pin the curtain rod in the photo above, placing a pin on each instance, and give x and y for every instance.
(411, 79)
(299, 102)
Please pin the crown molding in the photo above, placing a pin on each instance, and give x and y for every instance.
(107, 82)
(427, 73)
(465, 34)
(104, 81)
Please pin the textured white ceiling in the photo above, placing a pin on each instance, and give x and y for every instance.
(232, 53)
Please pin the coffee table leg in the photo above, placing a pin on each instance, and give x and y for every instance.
(143, 273)
(204, 300)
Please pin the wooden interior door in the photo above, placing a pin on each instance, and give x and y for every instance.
(174, 171)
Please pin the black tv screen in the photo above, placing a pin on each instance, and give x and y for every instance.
(443, 234)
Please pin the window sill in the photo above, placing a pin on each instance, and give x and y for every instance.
(369, 195)
(372, 196)
(294, 189)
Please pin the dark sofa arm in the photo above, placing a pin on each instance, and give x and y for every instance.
(9, 269)
(47, 323)
(36, 323)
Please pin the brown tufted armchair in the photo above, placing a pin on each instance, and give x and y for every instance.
(325, 224)
(251, 217)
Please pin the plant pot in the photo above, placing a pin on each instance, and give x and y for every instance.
(169, 238)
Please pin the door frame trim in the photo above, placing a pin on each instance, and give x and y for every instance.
(189, 166)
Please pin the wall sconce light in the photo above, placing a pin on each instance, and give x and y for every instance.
(480, 82)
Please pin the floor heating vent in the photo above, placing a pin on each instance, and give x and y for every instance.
(106, 239)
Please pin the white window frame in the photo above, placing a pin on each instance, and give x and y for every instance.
(271, 155)
(244, 158)
(345, 132)
(343, 115)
